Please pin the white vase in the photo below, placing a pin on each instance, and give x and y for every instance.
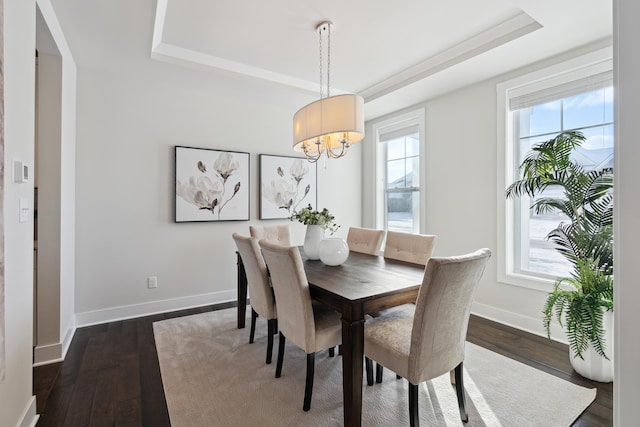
(312, 238)
(334, 251)
(594, 366)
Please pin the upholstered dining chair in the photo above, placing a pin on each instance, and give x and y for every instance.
(414, 248)
(260, 292)
(365, 240)
(430, 342)
(280, 234)
(311, 327)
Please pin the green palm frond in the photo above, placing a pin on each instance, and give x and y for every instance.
(585, 238)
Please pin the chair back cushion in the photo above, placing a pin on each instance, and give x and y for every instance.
(260, 292)
(442, 314)
(280, 234)
(414, 248)
(365, 240)
(289, 281)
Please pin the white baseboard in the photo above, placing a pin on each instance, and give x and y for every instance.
(52, 353)
(89, 318)
(46, 354)
(66, 342)
(518, 321)
(30, 417)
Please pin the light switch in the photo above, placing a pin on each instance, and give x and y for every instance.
(20, 171)
(25, 211)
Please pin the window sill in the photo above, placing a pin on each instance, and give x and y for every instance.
(529, 282)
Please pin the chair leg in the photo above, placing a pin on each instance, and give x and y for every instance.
(332, 352)
(280, 355)
(340, 350)
(271, 325)
(460, 393)
(414, 419)
(254, 316)
(308, 387)
(379, 370)
(369, 367)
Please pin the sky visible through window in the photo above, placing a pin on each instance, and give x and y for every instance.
(592, 114)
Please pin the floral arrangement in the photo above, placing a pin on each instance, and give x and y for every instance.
(310, 216)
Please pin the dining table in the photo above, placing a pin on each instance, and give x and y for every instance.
(362, 284)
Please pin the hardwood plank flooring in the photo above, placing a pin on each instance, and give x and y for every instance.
(111, 375)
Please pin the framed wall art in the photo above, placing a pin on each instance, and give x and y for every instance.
(286, 185)
(211, 185)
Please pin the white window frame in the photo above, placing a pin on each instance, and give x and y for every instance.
(396, 122)
(576, 68)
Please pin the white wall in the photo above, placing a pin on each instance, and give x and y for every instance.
(17, 405)
(128, 124)
(627, 231)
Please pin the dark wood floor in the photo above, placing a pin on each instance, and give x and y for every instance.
(111, 375)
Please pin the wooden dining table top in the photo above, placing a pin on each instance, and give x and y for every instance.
(363, 278)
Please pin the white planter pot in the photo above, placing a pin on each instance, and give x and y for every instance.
(312, 238)
(334, 251)
(594, 366)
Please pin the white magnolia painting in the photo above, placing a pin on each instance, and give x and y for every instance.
(286, 185)
(211, 185)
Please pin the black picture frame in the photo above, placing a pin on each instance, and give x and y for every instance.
(211, 185)
(287, 183)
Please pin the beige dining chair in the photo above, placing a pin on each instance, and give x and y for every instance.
(414, 248)
(311, 327)
(260, 293)
(365, 240)
(280, 234)
(430, 342)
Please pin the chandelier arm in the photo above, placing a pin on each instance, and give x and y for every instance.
(345, 147)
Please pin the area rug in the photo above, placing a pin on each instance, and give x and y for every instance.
(212, 376)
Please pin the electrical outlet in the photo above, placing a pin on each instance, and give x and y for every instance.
(152, 282)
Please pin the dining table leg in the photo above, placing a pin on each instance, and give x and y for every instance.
(352, 357)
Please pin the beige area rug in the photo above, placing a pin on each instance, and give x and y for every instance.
(212, 376)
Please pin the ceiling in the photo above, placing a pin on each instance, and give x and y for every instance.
(394, 54)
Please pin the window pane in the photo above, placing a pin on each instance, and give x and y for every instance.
(396, 174)
(542, 254)
(395, 149)
(539, 119)
(413, 144)
(402, 211)
(413, 172)
(597, 151)
(590, 113)
(608, 105)
(584, 109)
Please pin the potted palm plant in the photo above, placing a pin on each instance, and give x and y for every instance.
(583, 302)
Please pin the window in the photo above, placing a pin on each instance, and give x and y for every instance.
(398, 172)
(535, 111)
(402, 183)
